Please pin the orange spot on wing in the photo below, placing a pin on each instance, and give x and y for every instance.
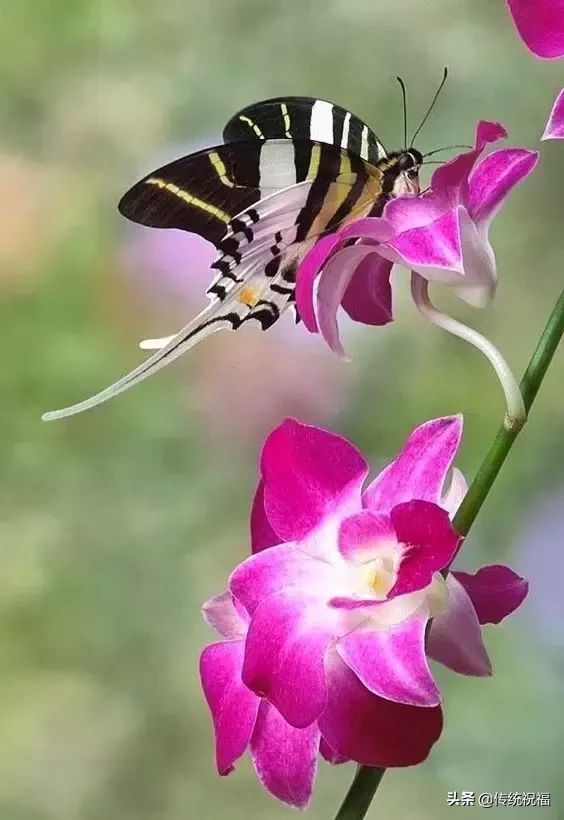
(247, 296)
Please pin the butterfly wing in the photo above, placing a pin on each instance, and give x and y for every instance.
(259, 253)
(294, 118)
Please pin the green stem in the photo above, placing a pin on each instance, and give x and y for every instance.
(503, 442)
(367, 778)
(360, 794)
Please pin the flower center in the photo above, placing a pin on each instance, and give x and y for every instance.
(381, 572)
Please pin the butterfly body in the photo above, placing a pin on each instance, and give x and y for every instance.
(291, 170)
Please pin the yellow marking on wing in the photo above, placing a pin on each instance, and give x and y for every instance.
(188, 198)
(345, 166)
(247, 296)
(286, 118)
(219, 166)
(314, 162)
(253, 125)
(337, 193)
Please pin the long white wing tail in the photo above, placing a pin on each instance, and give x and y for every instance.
(199, 328)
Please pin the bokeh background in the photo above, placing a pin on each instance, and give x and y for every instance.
(116, 525)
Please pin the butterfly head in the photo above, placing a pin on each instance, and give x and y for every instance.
(408, 165)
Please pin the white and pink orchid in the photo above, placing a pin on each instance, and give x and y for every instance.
(441, 235)
(329, 623)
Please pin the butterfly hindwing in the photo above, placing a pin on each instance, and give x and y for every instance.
(294, 118)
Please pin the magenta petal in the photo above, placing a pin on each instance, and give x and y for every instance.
(368, 297)
(373, 228)
(333, 283)
(541, 25)
(494, 179)
(285, 650)
(555, 126)
(330, 755)
(449, 181)
(224, 614)
(434, 250)
(431, 542)
(495, 591)
(277, 569)
(262, 534)
(392, 663)
(487, 132)
(407, 212)
(309, 473)
(233, 707)
(373, 731)
(420, 469)
(455, 636)
(360, 534)
(285, 759)
(307, 273)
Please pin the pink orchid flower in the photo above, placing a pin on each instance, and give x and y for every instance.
(328, 619)
(540, 24)
(441, 235)
(285, 757)
(555, 126)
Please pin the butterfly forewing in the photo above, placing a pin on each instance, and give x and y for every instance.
(294, 118)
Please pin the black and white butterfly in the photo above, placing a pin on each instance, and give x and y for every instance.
(291, 169)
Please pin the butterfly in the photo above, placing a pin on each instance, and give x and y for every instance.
(291, 170)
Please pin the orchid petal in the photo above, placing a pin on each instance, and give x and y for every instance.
(392, 663)
(233, 707)
(493, 180)
(540, 25)
(373, 731)
(285, 759)
(307, 273)
(407, 212)
(450, 179)
(330, 755)
(285, 647)
(224, 614)
(262, 534)
(431, 542)
(495, 591)
(373, 228)
(309, 473)
(555, 126)
(360, 535)
(420, 469)
(452, 498)
(488, 132)
(480, 272)
(333, 283)
(455, 636)
(280, 568)
(368, 297)
(433, 250)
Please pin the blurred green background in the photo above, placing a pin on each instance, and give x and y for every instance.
(116, 525)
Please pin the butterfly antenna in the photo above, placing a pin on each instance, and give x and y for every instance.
(404, 98)
(433, 101)
(447, 148)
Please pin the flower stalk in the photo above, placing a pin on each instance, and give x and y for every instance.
(516, 413)
(367, 779)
